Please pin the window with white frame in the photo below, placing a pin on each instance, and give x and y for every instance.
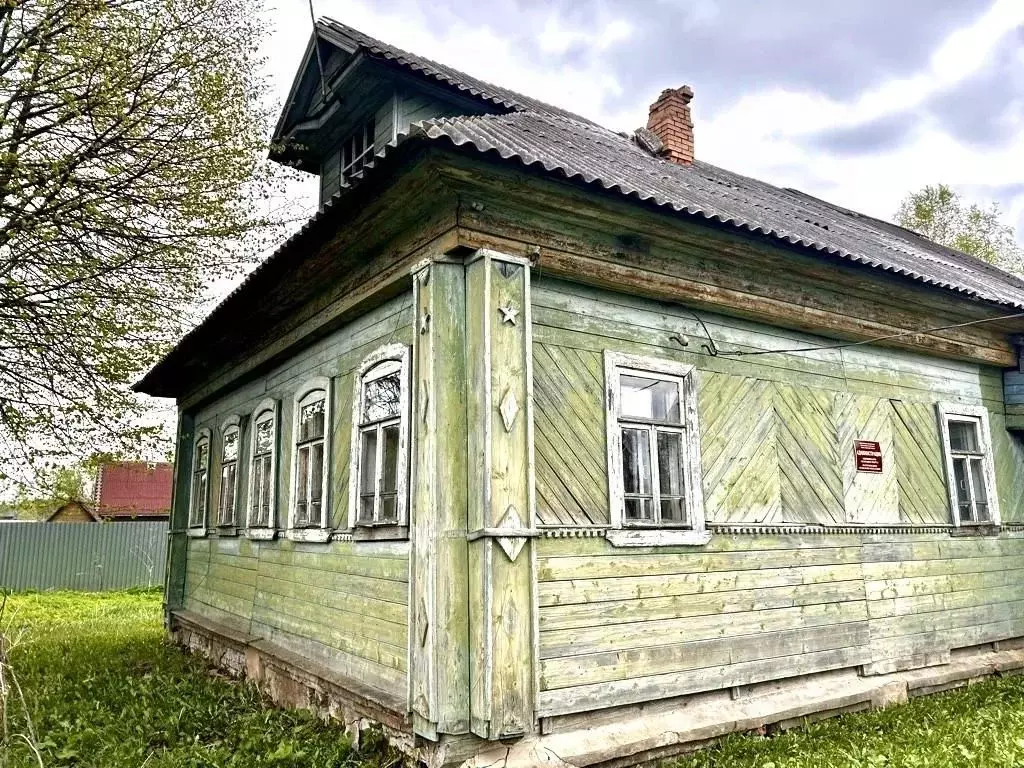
(380, 428)
(653, 445)
(263, 467)
(312, 424)
(230, 439)
(200, 480)
(970, 472)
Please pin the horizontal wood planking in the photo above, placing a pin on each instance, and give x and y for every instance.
(625, 626)
(622, 626)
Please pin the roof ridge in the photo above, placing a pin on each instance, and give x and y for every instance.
(463, 81)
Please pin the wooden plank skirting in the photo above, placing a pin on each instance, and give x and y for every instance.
(294, 680)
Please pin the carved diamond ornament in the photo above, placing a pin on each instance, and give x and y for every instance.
(423, 622)
(509, 409)
(512, 545)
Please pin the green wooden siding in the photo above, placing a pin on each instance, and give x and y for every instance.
(342, 603)
(336, 602)
(621, 626)
(777, 431)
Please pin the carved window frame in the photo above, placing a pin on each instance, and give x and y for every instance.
(232, 424)
(314, 390)
(399, 528)
(977, 415)
(267, 409)
(199, 497)
(683, 375)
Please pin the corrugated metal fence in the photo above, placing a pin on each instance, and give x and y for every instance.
(84, 556)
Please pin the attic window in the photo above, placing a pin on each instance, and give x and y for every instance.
(357, 150)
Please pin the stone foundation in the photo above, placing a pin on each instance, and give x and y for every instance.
(610, 738)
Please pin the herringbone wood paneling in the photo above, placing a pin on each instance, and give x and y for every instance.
(739, 449)
(1008, 448)
(569, 428)
(919, 463)
(811, 483)
(869, 498)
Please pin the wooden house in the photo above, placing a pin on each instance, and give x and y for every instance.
(540, 439)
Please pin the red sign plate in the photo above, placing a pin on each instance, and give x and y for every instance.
(868, 456)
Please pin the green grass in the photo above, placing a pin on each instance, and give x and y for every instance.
(105, 690)
(978, 727)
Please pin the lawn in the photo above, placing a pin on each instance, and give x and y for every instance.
(104, 689)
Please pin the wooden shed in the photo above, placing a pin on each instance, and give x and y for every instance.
(540, 439)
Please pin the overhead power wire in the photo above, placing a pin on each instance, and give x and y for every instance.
(714, 351)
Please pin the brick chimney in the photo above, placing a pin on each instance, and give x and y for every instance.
(670, 121)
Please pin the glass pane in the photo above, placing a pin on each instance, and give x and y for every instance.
(636, 461)
(231, 445)
(381, 397)
(201, 506)
(265, 435)
(367, 474)
(389, 478)
(673, 510)
(639, 509)
(311, 421)
(227, 492)
(980, 494)
(670, 464)
(644, 398)
(388, 508)
(963, 493)
(316, 471)
(302, 475)
(963, 436)
(265, 488)
(202, 455)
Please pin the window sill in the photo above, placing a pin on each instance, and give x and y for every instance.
(660, 537)
(197, 532)
(976, 529)
(380, 533)
(261, 534)
(308, 534)
(226, 530)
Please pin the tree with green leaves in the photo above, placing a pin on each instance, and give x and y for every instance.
(133, 174)
(939, 213)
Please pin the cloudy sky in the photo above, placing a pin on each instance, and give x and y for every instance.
(856, 102)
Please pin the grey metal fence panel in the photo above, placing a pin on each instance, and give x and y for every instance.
(82, 556)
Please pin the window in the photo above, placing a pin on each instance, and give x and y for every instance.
(357, 149)
(380, 439)
(311, 460)
(200, 480)
(230, 436)
(970, 474)
(263, 471)
(653, 450)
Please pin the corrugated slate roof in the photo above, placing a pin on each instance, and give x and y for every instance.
(460, 81)
(565, 145)
(613, 162)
